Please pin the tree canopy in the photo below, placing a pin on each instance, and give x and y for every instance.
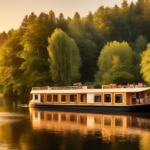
(115, 64)
(145, 64)
(117, 34)
(64, 60)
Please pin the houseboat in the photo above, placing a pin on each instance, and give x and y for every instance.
(109, 98)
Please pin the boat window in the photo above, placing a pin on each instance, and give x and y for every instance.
(133, 100)
(63, 117)
(55, 98)
(118, 122)
(49, 116)
(107, 121)
(49, 98)
(73, 98)
(97, 99)
(42, 98)
(137, 95)
(144, 97)
(36, 97)
(63, 98)
(148, 93)
(118, 98)
(107, 98)
(83, 98)
(97, 120)
(142, 94)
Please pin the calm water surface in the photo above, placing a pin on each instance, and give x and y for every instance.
(32, 129)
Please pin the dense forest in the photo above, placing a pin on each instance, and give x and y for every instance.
(108, 46)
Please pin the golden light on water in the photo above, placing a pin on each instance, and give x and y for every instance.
(103, 126)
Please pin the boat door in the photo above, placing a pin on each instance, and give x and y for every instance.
(42, 98)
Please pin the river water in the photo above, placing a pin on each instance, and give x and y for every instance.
(22, 128)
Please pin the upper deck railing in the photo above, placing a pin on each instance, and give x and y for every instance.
(88, 87)
(140, 85)
(63, 87)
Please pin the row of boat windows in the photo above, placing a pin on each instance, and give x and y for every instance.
(79, 119)
(54, 98)
(73, 98)
(108, 97)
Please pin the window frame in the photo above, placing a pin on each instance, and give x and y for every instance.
(35, 97)
(61, 98)
(42, 96)
(85, 98)
(57, 98)
(98, 95)
(104, 98)
(76, 99)
(122, 98)
(47, 98)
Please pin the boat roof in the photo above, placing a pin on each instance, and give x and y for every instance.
(112, 90)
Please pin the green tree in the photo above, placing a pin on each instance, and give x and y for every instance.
(62, 23)
(24, 23)
(10, 32)
(146, 18)
(10, 62)
(89, 41)
(141, 44)
(64, 60)
(3, 37)
(32, 18)
(35, 66)
(101, 22)
(145, 64)
(125, 7)
(75, 29)
(115, 64)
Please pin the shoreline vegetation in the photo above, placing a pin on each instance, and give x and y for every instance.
(109, 46)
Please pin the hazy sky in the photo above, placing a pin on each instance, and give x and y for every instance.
(12, 12)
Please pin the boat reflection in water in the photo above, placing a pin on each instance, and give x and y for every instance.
(101, 126)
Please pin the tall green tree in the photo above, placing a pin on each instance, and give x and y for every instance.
(101, 22)
(10, 62)
(62, 23)
(32, 18)
(64, 60)
(3, 37)
(24, 23)
(115, 64)
(141, 44)
(89, 41)
(35, 66)
(145, 64)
